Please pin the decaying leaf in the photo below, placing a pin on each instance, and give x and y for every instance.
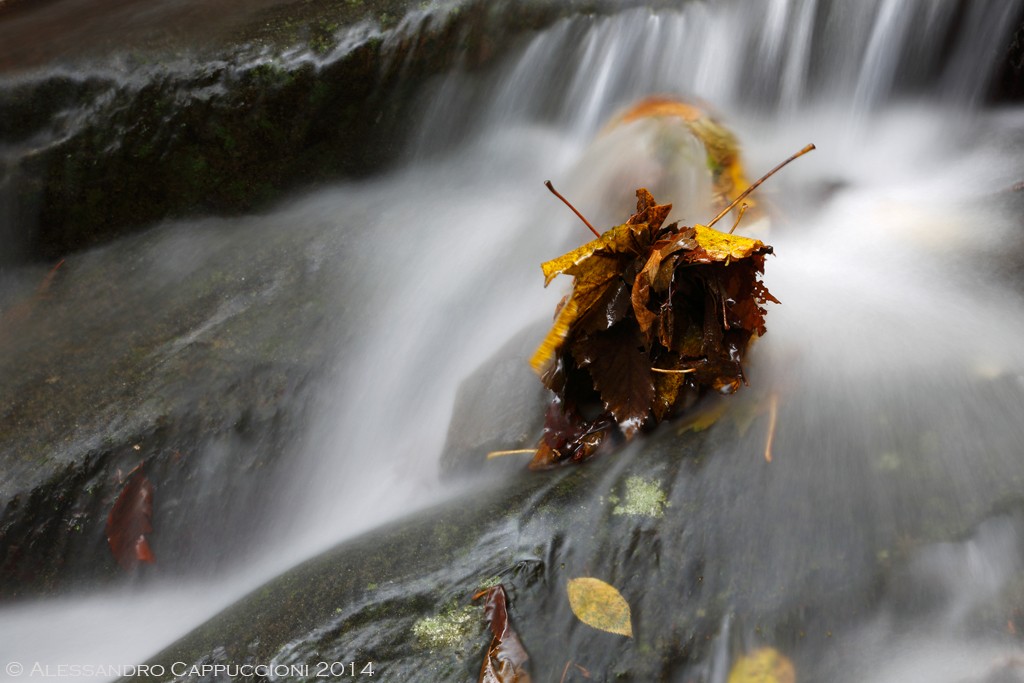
(129, 522)
(505, 661)
(765, 665)
(600, 605)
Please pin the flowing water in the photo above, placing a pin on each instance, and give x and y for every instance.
(898, 265)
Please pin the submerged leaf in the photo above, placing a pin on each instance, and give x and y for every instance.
(600, 605)
(765, 665)
(129, 522)
(505, 661)
(723, 153)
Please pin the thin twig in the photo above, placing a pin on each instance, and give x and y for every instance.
(753, 187)
(555, 192)
(674, 372)
(773, 417)
(743, 210)
(518, 451)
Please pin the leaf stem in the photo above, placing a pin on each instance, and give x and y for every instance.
(753, 187)
(773, 417)
(743, 210)
(498, 454)
(547, 183)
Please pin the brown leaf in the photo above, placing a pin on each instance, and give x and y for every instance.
(656, 318)
(568, 436)
(648, 212)
(621, 371)
(612, 309)
(505, 661)
(129, 522)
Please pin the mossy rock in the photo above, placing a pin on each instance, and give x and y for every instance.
(301, 93)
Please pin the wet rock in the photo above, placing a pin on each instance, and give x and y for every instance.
(715, 550)
(499, 407)
(296, 94)
(177, 350)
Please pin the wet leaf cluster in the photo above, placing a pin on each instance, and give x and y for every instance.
(658, 315)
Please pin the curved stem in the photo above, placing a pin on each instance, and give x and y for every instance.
(547, 183)
(753, 187)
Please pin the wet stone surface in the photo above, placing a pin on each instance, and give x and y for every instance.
(716, 551)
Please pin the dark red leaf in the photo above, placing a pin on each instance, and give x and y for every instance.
(129, 522)
(621, 371)
(505, 661)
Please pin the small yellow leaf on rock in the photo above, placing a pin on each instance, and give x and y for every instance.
(600, 605)
(709, 414)
(765, 665)
(722, 245)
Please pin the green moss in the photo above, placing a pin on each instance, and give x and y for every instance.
(643, 499)
(323, 39)
(490, 582)
(448, 630)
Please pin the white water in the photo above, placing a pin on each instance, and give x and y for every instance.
(871, 273)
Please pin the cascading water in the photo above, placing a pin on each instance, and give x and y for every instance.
(891, 266)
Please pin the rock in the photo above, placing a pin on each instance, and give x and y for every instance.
(724, 552)
(178, 350)
(140, 128)
(499, 407)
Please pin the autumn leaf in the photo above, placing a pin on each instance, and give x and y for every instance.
(723, 151)
(655, 317)
(505, 661)
(765, 665)
(621, 372)
(721, 246)
(597, 276)
(658, 315)
(129, 522)
(600, 605)
(617, 240)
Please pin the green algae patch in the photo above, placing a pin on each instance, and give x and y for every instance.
(644, 498)
(447, 631)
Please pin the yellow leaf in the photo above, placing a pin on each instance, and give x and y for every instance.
(765, 665)
(721, 246)
(585, 294)
(617, 240)
(723, 150)
(706, 417)
(598, 604)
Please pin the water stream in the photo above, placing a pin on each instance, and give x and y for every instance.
(899, 294)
